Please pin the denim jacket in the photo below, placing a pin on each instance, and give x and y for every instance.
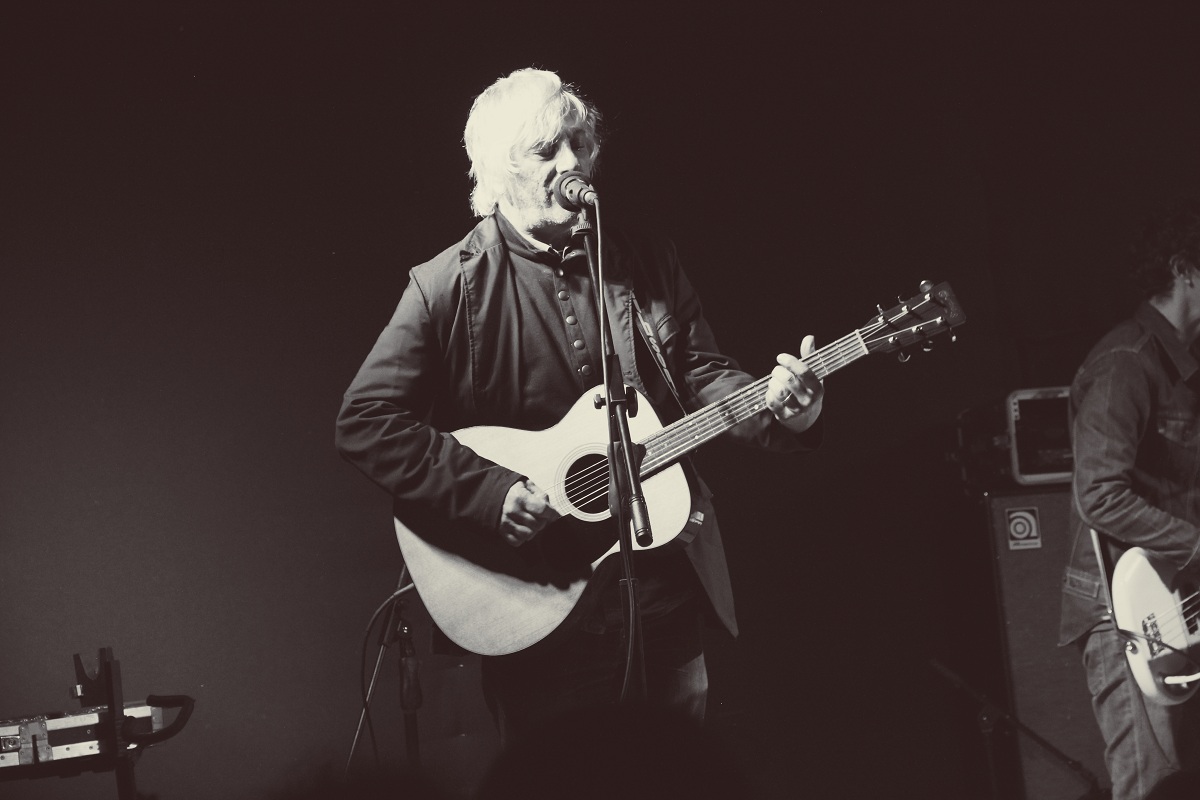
(1135, 431)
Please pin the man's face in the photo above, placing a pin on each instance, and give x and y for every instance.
(528, 200)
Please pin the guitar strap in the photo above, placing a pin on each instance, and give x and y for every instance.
(650, 337)
(1105, 561)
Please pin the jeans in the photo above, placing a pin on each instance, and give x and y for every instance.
(528, 689)
(1145, 741)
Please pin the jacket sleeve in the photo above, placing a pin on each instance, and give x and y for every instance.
(383, 428)
(1113, 416)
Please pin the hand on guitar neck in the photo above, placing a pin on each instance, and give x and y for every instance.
(794, 393)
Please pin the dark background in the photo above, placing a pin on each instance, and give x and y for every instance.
(207, 216)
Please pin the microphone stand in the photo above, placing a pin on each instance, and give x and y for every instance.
(395, 628)
(626, 502)
(410, 684)
(990, 713)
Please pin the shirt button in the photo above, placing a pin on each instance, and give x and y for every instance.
(571, 319)
(563, 295)
(558, 272)
(578, 344)
(586, 369)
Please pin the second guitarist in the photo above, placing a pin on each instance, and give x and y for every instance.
(1136, 438)
(500, 329)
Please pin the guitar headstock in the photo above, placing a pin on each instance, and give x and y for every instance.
(933, 311)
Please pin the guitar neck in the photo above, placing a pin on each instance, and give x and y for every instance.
(676, 440)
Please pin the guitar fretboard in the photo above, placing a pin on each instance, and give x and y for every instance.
(676, 440)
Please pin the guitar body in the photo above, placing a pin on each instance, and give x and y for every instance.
(1148, 600)
(493, 599)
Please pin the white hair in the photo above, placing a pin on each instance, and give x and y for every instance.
(514, 115)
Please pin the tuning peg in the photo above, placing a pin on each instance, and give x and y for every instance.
(925, 287)
(927, 347)
(903, 357)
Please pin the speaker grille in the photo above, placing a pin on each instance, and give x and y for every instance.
(1047, 687)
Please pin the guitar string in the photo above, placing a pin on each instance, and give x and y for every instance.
(695, 427)
(1178, 623)
(740, 406)
(595, 480)
(1175, 623)
(738, 403)
(700, 426)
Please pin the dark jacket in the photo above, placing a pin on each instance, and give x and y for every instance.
(1135, 412)
(450, 358)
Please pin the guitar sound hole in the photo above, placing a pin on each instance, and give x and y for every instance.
(586, 484)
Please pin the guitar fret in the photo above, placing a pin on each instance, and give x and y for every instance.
(677, 439)
(672, 442)
(681, 437)
(819, 366)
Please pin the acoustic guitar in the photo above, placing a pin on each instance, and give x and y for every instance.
(494, 599)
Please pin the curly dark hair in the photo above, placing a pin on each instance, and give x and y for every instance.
(1173, 231)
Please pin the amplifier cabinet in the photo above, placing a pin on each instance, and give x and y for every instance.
(1046, 683)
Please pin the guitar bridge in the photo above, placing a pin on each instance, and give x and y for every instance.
(1153, 635)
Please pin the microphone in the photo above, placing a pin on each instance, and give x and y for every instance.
(573, 192)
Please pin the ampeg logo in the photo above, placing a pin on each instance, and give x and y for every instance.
(1024, 532)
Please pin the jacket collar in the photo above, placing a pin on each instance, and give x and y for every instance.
(485, 235)
(488, 234)
(1168, 339)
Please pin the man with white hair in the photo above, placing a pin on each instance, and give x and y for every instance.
(501, 329)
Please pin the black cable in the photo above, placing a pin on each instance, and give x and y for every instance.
(632, 626)
(364, 689)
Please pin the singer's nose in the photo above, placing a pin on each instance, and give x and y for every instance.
(568, 158)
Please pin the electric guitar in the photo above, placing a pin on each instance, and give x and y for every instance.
(1158, 613)
(494, 599)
